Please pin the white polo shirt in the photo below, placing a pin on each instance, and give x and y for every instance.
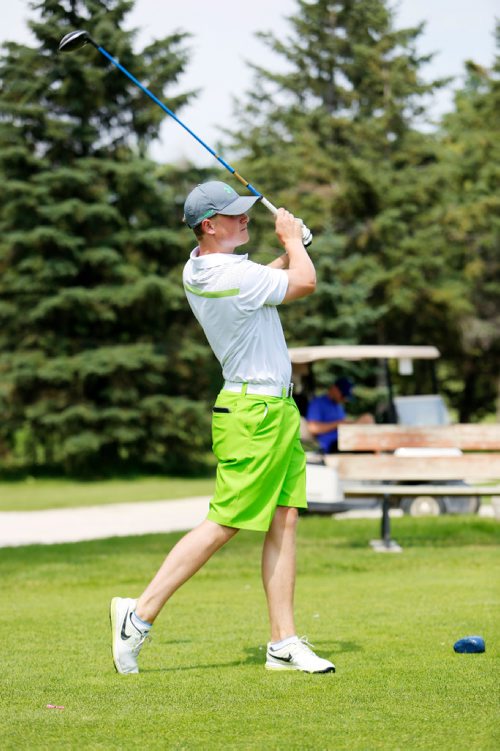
(235, 301)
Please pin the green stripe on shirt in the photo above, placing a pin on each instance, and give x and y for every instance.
(222, 293)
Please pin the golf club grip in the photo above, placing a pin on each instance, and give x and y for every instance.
(269, 205)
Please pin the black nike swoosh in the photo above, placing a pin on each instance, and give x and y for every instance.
(124, 634)
(283, 659)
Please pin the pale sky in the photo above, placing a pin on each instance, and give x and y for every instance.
(223, 39)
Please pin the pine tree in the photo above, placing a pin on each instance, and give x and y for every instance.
(337, 138)
(98, 368)
(471, 225)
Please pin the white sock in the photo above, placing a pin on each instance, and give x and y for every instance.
(139, 623)
(283, 643)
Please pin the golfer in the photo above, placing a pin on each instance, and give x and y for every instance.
(260, 481)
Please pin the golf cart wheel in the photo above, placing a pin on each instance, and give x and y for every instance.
(422, 505)
(462, 504)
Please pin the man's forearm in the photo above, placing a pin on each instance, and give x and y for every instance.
(282, 262)
(299, 260)
(318, 428)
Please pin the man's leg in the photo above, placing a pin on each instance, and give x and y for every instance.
(278, 572)
(131, 620)
(184, 560)
(285, 651)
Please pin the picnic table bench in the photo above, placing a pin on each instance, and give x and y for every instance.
(396, 462)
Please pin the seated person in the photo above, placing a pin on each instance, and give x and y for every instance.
(327, 412)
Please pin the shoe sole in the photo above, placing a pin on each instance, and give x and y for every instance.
(301, 670)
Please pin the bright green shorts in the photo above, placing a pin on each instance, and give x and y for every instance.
(261, 462)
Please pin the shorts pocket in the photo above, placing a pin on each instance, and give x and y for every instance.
(254, 415)
(224, 427)
(233, 428)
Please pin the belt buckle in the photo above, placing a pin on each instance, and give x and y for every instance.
(290, 390)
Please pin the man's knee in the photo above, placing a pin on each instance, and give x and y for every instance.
(286, 517)
(223, 534)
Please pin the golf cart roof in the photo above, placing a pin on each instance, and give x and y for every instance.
(362, 352)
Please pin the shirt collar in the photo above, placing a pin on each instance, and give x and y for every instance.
(215, 259)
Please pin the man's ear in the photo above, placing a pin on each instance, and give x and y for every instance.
(208, 227)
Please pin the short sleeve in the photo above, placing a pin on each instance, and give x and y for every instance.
(314, 411)
(262, 285)
(323, 410)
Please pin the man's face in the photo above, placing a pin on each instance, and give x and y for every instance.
(336, 394)
(230, 231)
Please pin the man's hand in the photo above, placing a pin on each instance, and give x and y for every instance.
(305, 232)
(365, 419)
(288, 228)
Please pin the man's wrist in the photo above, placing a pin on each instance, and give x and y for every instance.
(293, 246)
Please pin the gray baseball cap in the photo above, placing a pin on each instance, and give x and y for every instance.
(212, 198)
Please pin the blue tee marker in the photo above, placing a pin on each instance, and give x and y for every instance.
(470, 645)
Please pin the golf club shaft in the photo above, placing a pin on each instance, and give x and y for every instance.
(163, 106)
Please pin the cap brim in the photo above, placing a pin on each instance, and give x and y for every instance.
(240, 206)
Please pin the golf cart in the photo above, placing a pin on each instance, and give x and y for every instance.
(326, 490)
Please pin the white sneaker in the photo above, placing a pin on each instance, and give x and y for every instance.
(127, 640)
(297, 656)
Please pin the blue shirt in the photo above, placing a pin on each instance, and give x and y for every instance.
(323, 409)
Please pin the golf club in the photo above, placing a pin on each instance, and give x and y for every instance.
(76, 39)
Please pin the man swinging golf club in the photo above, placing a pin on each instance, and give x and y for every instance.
(255, 423)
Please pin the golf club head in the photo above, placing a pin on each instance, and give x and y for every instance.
(74, 40)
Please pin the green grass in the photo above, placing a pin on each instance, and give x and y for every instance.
(387, 621)
(36, 494)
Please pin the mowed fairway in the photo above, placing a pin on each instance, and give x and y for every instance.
(387, 621)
